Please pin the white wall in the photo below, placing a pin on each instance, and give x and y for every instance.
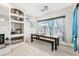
(68, 12)
(4, 29)
(26, 30)
(4, 25)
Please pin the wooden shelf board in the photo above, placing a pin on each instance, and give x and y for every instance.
(17, 15)
(15, 21)
(16, 35)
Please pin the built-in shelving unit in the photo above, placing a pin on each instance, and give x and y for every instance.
(12, 23)
(17, 25)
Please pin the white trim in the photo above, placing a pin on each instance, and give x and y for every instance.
(66, 44)
(16, 35)
(14, 21)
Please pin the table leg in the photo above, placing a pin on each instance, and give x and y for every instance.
(31, 38)
(55, 44)
(52, 46)
(58, 41)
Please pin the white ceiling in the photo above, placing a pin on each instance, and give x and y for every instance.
(34, 9)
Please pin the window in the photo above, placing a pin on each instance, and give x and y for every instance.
(52, 27)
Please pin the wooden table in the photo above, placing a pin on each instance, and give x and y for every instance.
(52, 40)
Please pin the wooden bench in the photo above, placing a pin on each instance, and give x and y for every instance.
(54, 41)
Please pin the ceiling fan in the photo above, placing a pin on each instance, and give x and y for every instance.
(44, 8)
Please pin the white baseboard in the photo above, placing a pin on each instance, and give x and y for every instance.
(66, 44)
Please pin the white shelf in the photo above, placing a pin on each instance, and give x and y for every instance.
(16, 35)
(15, 21)
(17, 15)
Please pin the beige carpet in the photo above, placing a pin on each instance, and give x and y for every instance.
(39, 48)
(26, 50)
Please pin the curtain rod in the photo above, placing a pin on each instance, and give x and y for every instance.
(51, 18)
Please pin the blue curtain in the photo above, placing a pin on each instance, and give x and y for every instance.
(75, 29)
(50, 25)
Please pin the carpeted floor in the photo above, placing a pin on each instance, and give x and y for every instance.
(40, 48)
